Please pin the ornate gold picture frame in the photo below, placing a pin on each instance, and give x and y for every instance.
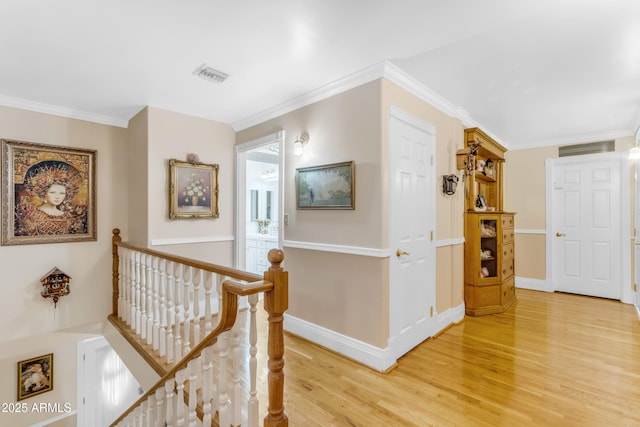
(48, 193)
(193, 190)
(35, 376)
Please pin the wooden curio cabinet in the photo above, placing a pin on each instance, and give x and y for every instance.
(489, 231)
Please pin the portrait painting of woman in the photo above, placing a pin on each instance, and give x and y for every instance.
(47, 206)
(50, 194)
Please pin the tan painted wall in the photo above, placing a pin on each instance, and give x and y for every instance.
(158, 135)
(138, 178)
(525, 194)
(341, 292)
(28, 323)
(333, 290)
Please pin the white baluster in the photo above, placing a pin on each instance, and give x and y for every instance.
(177, 339)
(196, 276)
(253, 405)
(130, 289)
(223, 380)
(208, 284)
(160, 408)
(143, 297)
(207, 384)
(170, 312)
(194, 369)
(121, 281)
(186, 347)
(162, 332)
(136, 322)
(180, 377)
(151, 410)
(170, 404)
(149, 318)
(236, 390)
(142, 419)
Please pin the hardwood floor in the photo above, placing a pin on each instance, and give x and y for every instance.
(551, 360)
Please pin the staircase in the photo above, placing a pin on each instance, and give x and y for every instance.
(182, 316)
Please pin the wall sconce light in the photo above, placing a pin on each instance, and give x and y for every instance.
(56, 285)
(299, 143)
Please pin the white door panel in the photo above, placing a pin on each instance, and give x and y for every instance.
(411, 222)
(587, 227)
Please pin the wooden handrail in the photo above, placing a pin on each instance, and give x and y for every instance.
(275, 287)
(228, 313)
(205, 266)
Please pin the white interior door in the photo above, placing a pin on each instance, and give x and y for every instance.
(637, 236)
(106, 387)
(586, 225)
(411, 228)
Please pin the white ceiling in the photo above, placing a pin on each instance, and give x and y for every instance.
(529, 72)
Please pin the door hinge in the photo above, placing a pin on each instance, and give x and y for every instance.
(431, 311)
(432, 160)
(431, 235)
(635, 288)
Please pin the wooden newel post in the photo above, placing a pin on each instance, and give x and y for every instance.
(276, 303)
(116, 263)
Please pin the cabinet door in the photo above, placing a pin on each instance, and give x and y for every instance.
(489, 268)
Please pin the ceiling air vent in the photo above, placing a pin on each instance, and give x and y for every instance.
(211, 74)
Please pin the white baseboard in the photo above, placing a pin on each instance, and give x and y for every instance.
(533, 284)
(448, 317)
(374, 357)
(367, 354)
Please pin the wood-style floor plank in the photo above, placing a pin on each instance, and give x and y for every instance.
(551, 360)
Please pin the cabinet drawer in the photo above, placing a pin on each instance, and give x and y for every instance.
(508, 290)
(262, 244)
(507, 236)
(507, 221)
(507, 251)
(507, 267)
(251, 243)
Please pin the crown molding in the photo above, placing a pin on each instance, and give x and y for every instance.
(577, 139)
(38, 107)
(351, 81)
(383, 69)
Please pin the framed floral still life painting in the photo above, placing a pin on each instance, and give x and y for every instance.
(48, 193)
(193, 190)
(35, 376)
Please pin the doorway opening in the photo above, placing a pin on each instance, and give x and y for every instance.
(259, 201)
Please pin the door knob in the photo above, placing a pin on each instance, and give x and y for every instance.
(399, 253)
(559, 234)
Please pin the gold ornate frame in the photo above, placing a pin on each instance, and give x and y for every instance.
(35, 376)
(193, 190)
(28, 166)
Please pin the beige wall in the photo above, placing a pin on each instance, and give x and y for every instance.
(525, 194)
(138, 177)
(28, 323)
(349, 293)
(342, 292)
(156, 136)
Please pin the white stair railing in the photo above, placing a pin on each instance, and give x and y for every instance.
(158, 297)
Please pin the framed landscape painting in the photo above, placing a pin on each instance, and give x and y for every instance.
(48, 193)
(326, 187)
(193, 190)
